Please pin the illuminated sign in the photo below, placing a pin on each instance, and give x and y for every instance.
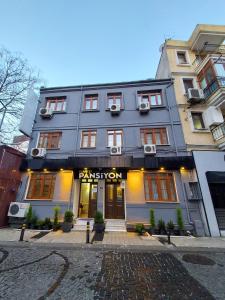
(101, 175)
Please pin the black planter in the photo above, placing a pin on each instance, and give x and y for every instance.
(99, 227)
(66, 226)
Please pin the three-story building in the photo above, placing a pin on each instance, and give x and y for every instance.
(116, 148)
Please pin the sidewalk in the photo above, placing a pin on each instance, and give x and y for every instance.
(113, 239)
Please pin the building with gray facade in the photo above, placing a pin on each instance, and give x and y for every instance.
(117, 148)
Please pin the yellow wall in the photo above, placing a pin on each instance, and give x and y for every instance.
(135, 187)
(63, 186)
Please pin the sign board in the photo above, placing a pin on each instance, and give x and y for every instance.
(29, 112)
(101, 175)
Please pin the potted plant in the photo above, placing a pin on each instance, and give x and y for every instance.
(170, 226)
(140, 229)
(68, 221)
(34, 219)
(161, 226)
(180, 221)
(56, 224)
(29, 216)
(99, 225)
(152, 221)
(40, 224)
(47, 224)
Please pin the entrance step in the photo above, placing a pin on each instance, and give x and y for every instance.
(220, 215)
(81, 224)
(115, 225)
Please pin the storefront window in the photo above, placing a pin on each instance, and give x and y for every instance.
(159, 187)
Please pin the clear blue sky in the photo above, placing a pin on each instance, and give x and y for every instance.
(94, 41)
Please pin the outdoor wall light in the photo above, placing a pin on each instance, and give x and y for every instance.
(45, 170)
(114, 169)
(162, 168)
(28, 170)
(142, 169)
(61, 169)
(182, 168)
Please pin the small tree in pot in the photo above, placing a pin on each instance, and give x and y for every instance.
(170, 226)
(161, 226)
(68, 221)
(180, 221)
(99, 225)
(56, 224)
(152, 221)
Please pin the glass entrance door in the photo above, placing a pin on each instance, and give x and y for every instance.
(88, 200)
(114, 201)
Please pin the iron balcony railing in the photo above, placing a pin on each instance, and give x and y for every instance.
(217, 83)
(219, 131)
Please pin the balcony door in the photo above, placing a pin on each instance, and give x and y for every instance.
(114, 201)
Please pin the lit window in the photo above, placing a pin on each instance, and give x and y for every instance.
(56, 104)
(115, 138)
(88, 139)
(197, 120)
(154, 98)
(156, 136)
(159, 187)
(49, 140)
(41, 186)
(91, 102)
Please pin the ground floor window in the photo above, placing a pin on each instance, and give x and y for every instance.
(41, 186)
(159, 187)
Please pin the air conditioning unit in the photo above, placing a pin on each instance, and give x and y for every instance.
(18, 209)
(38, 152)
(45, 112)
(213, 116)
(115, 150)
(115, 109)
(144, 107)
(195, 95)
(150, 149)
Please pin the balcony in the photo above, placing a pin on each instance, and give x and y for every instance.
(207, 53)
(216, 89)
(219, 135)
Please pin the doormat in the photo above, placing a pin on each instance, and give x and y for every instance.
(98, 237)
(40, 235)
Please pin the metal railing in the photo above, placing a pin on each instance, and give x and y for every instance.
(218, 132)
(217, 83)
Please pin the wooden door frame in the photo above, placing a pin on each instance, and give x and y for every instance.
(124, 201)
(78, 212)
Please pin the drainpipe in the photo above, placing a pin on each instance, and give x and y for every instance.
(78, 120)
(171, 120)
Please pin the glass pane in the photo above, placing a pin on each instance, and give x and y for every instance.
(159, 99)
(52, 105)
(59, 106)
(147, 195)
(144, 99)
(87, 104)
(119, 193)
(110, 140)
(117, 101)
(220, 69)
(118, 140)
(154, 190)
(110, 192)
(94, 190)
(164, 190)
(209, 75)
(153, 100)
(198, 121)
(181, 57)
(149, 138)
(94, 104)
(110, 102)
(85, 141)
(92, 142)
(157, 138)
(188, 84)
(84, 200)
(203, 83)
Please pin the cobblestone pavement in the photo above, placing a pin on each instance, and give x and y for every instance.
(88, 273)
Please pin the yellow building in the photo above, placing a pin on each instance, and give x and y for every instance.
(198, 68)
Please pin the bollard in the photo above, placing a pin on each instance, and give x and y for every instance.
(22, 232)
(88, 233)
(168, 235)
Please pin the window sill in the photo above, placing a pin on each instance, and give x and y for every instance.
(201, 131)
(90, 110)
(87, 147)
(59, 112)
(173, 202)
(184, 65)
(38, 199)
(107, 109)
(49, 149)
